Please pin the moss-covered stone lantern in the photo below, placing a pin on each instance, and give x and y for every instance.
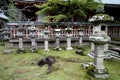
(99, 39)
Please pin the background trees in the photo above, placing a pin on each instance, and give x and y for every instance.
(62, 10)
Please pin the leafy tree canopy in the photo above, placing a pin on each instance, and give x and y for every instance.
(66, 9)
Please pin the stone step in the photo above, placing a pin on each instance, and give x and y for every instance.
(116, 43)
(114, 48)
(114, 54)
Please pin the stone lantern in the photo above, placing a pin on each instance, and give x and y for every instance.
(33, 35)
(99, 39)
(57, 36)
(46, 37)
(69, 35)
(6, 36)
(20, 35)
(80, 34)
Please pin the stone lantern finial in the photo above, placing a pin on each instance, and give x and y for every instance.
(100, 9)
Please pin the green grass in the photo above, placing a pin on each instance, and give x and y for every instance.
(24, 66)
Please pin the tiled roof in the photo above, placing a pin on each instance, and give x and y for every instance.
(110, 1)
(3, 16)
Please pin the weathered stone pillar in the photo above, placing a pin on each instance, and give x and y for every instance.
(58, 43)
(20, 43)
(69, 35)
(80, 40)
(99, 56)
(99, 42)
(33, 43)
(46, 45)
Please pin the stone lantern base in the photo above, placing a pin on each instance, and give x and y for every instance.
(34, 50)
(69, 48)
(106, 54)
(46, 50)
(99, 73)
(57, 49)
(21, 50)
(7, 51)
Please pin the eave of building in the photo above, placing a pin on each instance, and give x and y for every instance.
(58, 23)
(112, 5)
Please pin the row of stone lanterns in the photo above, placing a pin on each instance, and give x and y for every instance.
(33, 35)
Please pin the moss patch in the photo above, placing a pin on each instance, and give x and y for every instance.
(67, 66)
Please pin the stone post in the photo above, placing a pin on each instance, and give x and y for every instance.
(46, 32)
(33, 42)
(69, 35)
(99, 56)
(20, 43)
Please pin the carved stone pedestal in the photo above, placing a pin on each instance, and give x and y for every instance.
(99, 41)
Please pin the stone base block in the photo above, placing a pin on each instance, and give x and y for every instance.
(80, 52)
(106, 55)
(91, 54)
(69, 48)
(21, 51)
(100, 74)
(34, 50)
(46, 50)
(57, 49)
(7, 51)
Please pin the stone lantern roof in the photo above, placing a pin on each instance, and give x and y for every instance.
(3, 16)
(101, 18)
(33, 28)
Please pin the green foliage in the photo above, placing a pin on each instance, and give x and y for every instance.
(13, 13)
(2, 43)
(55, 18)
(61, 10)
(91, 68)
